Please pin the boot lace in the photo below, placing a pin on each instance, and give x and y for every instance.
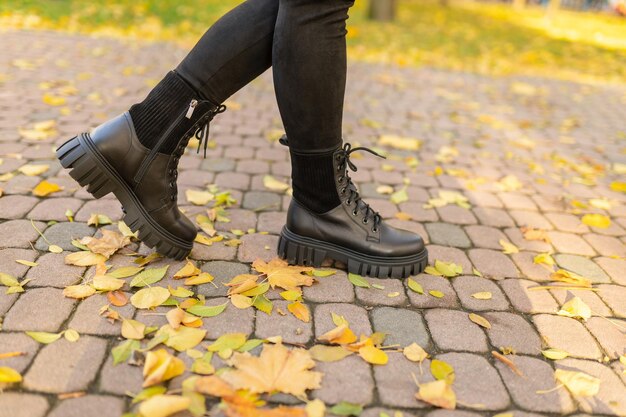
(201, 132)
(343, 163)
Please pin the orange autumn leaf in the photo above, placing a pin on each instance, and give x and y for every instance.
(340, 335)
(117, 298)
(301, 311)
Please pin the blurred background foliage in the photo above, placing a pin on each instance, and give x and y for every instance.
(489, 38)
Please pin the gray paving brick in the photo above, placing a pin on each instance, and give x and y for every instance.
(257, 246)
(582, 266)
(288, 326)
(615, 297)
(567, 334)
(511, 330)
(493, 264)
(51, 271)
(538, 376)
(354, 377)
(402, 327)
(396, 387)
(332, 289)
(570, 243)
(613, 268)
(467, 285)
(39, 309)
(89, 406)
(65, 366)
(432, 283)
(391, 295)
(8, 258)
(528, 301)
(487, 390)
(597, 306)
(261, 200)
(55, 209)
(18, 342)
(609, 334)
(232, 320)
(87, 320)
(447, 254)
(19, 233)
(121, 378)
(16, 206)
(529, 269)
(12, 405)
(446, 234)
(108, 206)
(356, 316)
(453, 330)
(271, 222)
(61, 234)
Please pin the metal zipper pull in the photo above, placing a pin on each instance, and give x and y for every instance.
(191, 108)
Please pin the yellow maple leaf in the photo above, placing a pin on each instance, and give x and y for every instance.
(340, 335)
(186, 271)
(578, 383)
(45, 188)
(281, 274)
(163, 405)
(437, 393)
(275, 369)
(575, 308)
(161, 366)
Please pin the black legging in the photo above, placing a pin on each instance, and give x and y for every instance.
(304, 43)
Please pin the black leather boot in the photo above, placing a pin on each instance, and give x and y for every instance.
(112, 159)
(351, 232)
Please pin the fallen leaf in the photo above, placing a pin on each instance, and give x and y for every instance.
(45, 188)
(442, 370)
(358, 280)
(79, 291)
(161, 366)
(569, 277)
(71, 335)
(84, 258)
(480, 320)
(122, 352)
(300, 310)
(597, 220)
(149, 297)
(9, 375)
(344, 408)
(281, 274)
(340, 335)
(415, 286)
(400, 142)
(399, 196)
(98, 220)
(437, 393)
(107, 283)
(508, 247)
(554, 354)
(202, 278)
(273, 184)
(206, 311)
(149, 276)
(323, 353)
(436, 294)
(187, 271)
(575, 308)
(33, 170)
(110, 242)
(485, 295)
(578, 383)
(44, 337)
(508, 362)
(163, 405)
(373, 355)
(545, 259)
(133, 329)
(117, 298)
(415, 353)
(199, 198)
(241, 301)
(275, 369)
(315, 408)
(182, 338)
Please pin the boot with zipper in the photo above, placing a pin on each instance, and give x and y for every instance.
(328, 219)
(135, 156)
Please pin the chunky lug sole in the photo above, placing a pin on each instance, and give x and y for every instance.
(303, 250)
(90, 169)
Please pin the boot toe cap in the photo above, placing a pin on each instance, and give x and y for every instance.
(402, 242)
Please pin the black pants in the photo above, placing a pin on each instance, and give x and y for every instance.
(304, 43)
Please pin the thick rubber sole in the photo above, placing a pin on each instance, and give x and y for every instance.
(302, 250)
(90, 169)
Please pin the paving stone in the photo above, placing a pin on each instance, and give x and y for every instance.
(379, 411)
(609, 334)
(39, 309)
(89, 406)
(570, 243)
(61, 234)
(567, 223)
(332, 289)
(516, 237)
(261, 201)
(582, 266)
(485, 237)
(121, 378)
(19, 233)
(614, 268)
(64, 366)
(356, 316)
(567, 334)
(392, 294)
(611, 399)
(539, 376)
(455, 214)
(16, 206)
(87, 320)
(51, 271)
(418, 212)
(257, 246)
(467, 285)
(8, 258)
(528, 301)
(483, 199)
(271, 222)
(615, 297)
(451, 413)
(6, 301)
(511, 330)
(12, 405)
(402, 327)
(447, 235)
(222, 273)
(453, 330)
(447, 254)
(493, 264)
(517, 201)
(529, 269)
(229, 180)
(493, 217)
(108, 206)
(396, 387)
(487, 390)
(432, 283)
(239, 219)
(232, 320)
(354, 377)
(598, 308)
(288, 326)
(530, 219)
(18, 342)
(54, 209)
(216, 252)
(606, 245)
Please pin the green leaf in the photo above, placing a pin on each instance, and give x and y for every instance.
(44, 337)
(347, 409)
(399, 196)
(436, 294)
(415, 286)
(122, 352)
(8, 280)
(263, 304)
(71, 335)
(228, 341)
(149, 276)
(291, 295)
(250, 344)
(323, 272)
(442, 370)
(206, 311)
(258, 290)
(125, 272)
(358, 280)
(149, 392)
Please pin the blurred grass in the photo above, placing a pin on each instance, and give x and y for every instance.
(481, 37)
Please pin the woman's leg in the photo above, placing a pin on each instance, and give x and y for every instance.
(327, 217)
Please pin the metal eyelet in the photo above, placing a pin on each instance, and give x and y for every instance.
(172, 184)
(340, 179)
(173, 197)
(343, 190)
(365, 221)
(354, 212)
(348, 202)
(338, 168)
(374, 230)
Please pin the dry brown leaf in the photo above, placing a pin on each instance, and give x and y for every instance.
(415, 353)
(480, 320)
(189, 270)
(535, 234)
(507, 362)
(276, 369)
(110, 242)
(117, 298)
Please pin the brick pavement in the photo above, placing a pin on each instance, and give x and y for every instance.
(558, 139)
